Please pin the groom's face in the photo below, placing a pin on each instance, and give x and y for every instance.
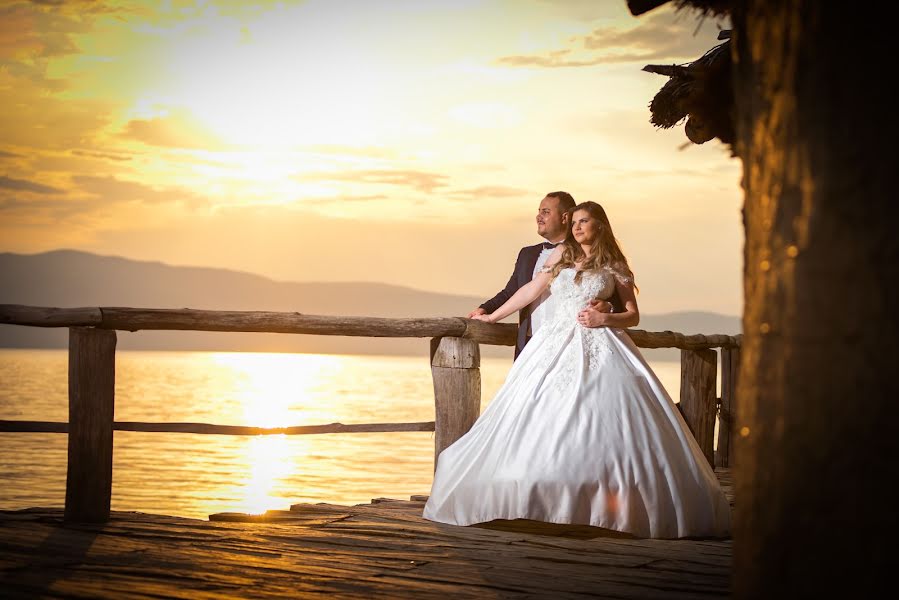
(551, 222)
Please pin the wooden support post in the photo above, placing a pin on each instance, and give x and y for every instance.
(730, 366)
(698, 374)
(455, 368)
(91, 414)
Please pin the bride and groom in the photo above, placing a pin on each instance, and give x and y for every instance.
(581, 431)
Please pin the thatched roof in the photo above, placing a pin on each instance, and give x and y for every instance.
(699, 92)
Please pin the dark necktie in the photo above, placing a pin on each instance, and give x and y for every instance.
(549, 245)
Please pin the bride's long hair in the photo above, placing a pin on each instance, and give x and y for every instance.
(604, 252)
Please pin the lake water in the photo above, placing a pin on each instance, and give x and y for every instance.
(196, 475)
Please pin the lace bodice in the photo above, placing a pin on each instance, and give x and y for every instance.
(572, 297)
(562, 340)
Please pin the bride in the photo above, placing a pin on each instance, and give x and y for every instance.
(581, 431)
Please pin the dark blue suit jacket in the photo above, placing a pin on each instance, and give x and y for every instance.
(521, 275)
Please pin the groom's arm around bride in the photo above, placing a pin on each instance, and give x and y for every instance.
(553, 220)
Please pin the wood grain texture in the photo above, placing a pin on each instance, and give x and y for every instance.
(136, 319)
(698, 400)
(91, 414)
(730, 365)
(380, 550)
(457, 389)
(45, 316)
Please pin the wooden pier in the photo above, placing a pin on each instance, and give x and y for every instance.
(384, 549)
(380, 550)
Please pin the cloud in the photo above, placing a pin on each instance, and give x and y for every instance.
(23, 185)
(557, 58)
(665, 37)
(107, 190)
(178, 129)
(418, 180)
(487, 192)
(103, 155)
(342, 199)
(5, 154)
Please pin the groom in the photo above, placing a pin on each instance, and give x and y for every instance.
(552, 225)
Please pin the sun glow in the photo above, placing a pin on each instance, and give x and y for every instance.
(272, 390)
(265, 83)
(272, 387)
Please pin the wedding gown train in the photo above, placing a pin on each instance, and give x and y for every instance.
(581, 431)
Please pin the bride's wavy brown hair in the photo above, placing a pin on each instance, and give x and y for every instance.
(604, 252)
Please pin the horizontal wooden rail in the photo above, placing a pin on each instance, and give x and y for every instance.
(135, 319)
(672, 339)
(208, 428)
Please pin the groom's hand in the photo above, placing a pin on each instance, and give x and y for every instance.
(591, 317)
(602, 306)
(476, 312)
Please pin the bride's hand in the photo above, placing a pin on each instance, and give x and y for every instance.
(485, 318)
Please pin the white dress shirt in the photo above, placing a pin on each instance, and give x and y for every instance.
(544, 305)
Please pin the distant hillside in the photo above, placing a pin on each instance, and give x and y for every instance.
(67, 278)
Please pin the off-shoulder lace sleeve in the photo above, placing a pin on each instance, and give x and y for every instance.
(622, 274)
(545, 270)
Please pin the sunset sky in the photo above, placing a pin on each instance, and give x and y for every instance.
(407, 142)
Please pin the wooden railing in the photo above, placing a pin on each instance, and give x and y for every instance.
(455, 369)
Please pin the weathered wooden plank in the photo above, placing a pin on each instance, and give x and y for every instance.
(698, 398)
(134, 319)
(47, 316)
(730, 367)
(366, 551)
(91, 411)
(671, 339)
(500, 334)
(208, 428)
(455, 353)
(457, 389)
(33, 427)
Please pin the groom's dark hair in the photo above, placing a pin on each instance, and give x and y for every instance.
(566, 201)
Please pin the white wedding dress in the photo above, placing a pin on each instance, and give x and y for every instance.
(582, 431)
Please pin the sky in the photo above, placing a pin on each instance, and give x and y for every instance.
(405, 142)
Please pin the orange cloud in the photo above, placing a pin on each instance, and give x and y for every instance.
(178, 129)
(23, 185)
(490, 191)
(418, 180)
(661, 37)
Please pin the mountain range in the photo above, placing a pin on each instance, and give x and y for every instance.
(69, 278)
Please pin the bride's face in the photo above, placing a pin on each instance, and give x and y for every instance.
(584, 228)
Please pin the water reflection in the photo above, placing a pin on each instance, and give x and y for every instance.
(280, 390)
(196, 475)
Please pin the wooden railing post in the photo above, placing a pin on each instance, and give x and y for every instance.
(91, 414)
(698, 374)
(730, 366)
(455, 368)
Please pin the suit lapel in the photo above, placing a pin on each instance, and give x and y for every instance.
(527, 267)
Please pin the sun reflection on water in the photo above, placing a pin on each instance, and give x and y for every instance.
(276, 390)
(279, 390)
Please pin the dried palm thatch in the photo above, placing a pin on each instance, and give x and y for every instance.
(699, 92)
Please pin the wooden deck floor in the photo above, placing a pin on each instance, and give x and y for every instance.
(378, 550)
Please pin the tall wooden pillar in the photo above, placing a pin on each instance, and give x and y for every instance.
(91, 414)
(698, 400)
(455, 368)
(730, 364)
